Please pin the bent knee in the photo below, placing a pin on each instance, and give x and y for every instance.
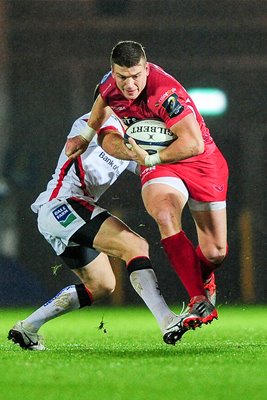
(107, 286)
(107, 290)
(218, 260)
(138, 244)
(217, 255)
(102, 290)
(165, 217)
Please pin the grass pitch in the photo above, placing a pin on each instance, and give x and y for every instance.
(226, 360)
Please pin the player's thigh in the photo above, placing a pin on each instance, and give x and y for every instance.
(211, 230)
(97, 276)
(115, 238)
(164, 199)
(159, 196)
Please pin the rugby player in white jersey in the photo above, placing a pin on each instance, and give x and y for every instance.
(82, 234)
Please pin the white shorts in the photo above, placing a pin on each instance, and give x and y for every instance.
(58, 221)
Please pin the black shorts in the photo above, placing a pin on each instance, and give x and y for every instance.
(78, 256)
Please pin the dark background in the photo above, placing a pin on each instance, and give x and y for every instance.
(55, 52)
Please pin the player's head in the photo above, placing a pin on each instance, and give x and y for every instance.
(129, 68)
(128, 54)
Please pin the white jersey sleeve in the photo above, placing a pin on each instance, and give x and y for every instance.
(88, 176)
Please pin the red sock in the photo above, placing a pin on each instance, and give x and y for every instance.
(207, 266)
(183, 259)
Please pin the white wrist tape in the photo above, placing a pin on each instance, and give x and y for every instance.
(88, 133)
(152, 160)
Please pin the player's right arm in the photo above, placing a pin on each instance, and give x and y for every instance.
(77, 145)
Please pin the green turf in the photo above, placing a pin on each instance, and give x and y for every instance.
(224, 361)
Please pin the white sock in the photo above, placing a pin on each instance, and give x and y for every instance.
(145, 283)
(65, 301)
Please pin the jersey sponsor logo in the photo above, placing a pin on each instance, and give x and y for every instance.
(64, 215)
(165, 95)
(219, 188)
(121, 108)
(147, 171)
(110, 162)
(129, 120)
(58, 295)
(105, 77)
(173, 106)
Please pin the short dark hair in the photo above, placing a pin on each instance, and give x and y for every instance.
(127, 54)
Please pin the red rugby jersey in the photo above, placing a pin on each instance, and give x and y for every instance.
(163, 98)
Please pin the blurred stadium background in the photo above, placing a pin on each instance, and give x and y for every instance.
(52, 55)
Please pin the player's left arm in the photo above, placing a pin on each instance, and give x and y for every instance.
(189, 141)
(100, 113)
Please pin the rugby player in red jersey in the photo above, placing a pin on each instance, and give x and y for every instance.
(136, 90)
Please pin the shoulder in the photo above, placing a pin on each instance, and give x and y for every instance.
(78, 125)
(107, 85)
(161, 84)
(105, 78)
(158, 75)
(82, 118)
(166, 97)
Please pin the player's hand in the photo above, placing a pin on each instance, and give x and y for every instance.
(75, 147)
(139, 153)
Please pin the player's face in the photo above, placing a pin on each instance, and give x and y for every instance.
(131, 81)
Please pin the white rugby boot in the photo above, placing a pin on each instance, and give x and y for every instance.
(24, 338)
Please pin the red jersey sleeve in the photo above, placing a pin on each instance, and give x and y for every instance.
(166, 96)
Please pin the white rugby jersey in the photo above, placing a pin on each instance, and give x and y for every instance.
(89, 175)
